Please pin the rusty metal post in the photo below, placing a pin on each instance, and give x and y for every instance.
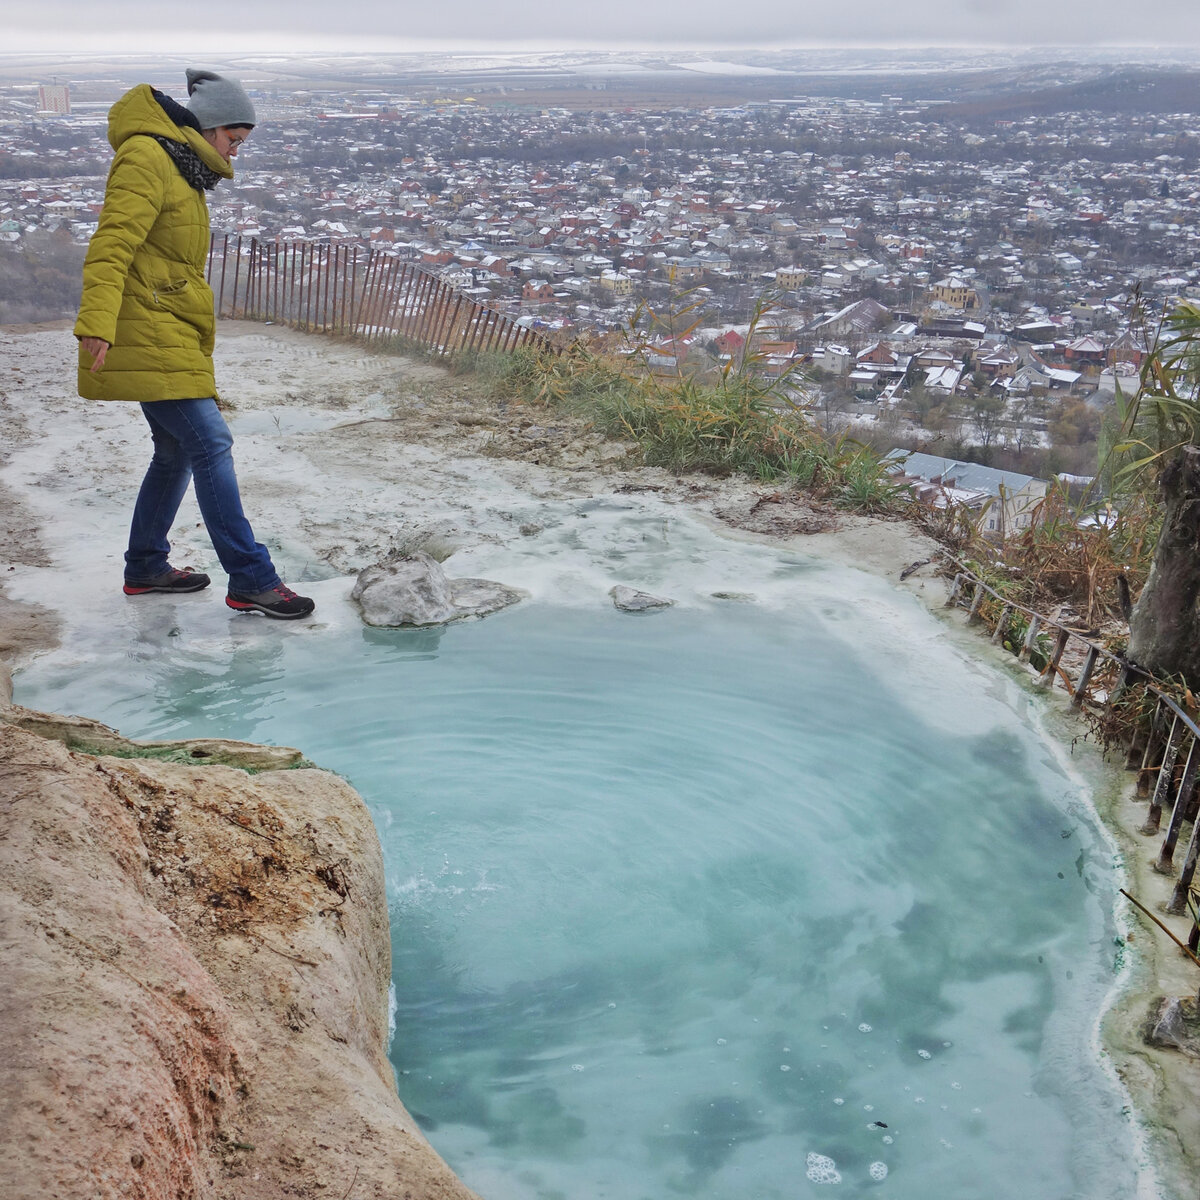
(322, 267)
(339, 290)
(452, 331)
(428, 311)
(372, 282)
(497, 319)
(391, 292)
(1166, 773)
(341, 321)
(237, 270)
(421, 302)
(1085, 677)
(289, 277)
(1152, 755)
(399, 279)
(354, 306)
(439, 333)
(402, 299)
(1001, 624)
(976, 602)
(1035, 626)
(441, 302)
(410, 313)
(331, 293)
(481, 320)
(1183, 884)
(297, 297)
(393, 295)
(308, 287)
(224, 260)
(489, 330)
(248, 295)
(1183, 796)
(358, 293)
(1051, 669)
(254, 281)
(473, 324)
(382, 296)
(331, 258)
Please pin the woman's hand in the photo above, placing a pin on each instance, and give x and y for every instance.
(97, 348)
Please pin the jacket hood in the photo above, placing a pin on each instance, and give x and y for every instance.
(144, 112)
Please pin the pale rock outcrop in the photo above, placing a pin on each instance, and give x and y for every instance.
(631, 600)
(414, 590)
(198, 963)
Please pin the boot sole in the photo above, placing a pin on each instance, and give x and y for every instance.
(242, 607)
(134, 590)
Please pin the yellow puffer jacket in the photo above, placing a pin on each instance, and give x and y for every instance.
(144, 290)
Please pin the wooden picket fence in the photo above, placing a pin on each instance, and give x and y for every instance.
(357, 292)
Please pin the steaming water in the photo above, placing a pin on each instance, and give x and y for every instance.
(731, 900)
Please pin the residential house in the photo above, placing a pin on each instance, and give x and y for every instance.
(858, 320)
(538, 291)
(1008, 501)
(616, 282)
(729, 344)
(1127, 348)
(790, 277)
(1087, 353)
(954, 292)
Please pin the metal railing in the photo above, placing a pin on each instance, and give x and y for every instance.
(357, 292)
(1165, 756)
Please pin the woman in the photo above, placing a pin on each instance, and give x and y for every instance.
(146, 328)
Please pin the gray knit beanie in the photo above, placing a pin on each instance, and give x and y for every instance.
(217, 101)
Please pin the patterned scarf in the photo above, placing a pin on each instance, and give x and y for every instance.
(201, 177)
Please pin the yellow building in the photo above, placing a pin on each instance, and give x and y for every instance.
(954, 293)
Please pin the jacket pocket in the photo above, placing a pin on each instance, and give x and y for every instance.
(170, 294)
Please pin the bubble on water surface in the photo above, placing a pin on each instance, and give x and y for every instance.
(924, 1054)
(878, 1171)
(864, 1028)
(822, 1169)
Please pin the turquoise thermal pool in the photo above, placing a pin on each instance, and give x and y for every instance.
(724, 901)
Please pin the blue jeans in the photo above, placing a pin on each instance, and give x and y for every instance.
(192, 442)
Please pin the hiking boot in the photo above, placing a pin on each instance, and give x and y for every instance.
(171, 580)
(279, 602)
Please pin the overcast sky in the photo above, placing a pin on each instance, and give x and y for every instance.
(234, 25)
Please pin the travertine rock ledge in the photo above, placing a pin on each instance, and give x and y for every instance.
(197, 1004)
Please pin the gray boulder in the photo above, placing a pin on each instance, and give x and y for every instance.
(1171, 1025)
(414, 590)
(631, 600)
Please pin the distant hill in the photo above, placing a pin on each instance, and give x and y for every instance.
(1125, 90)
